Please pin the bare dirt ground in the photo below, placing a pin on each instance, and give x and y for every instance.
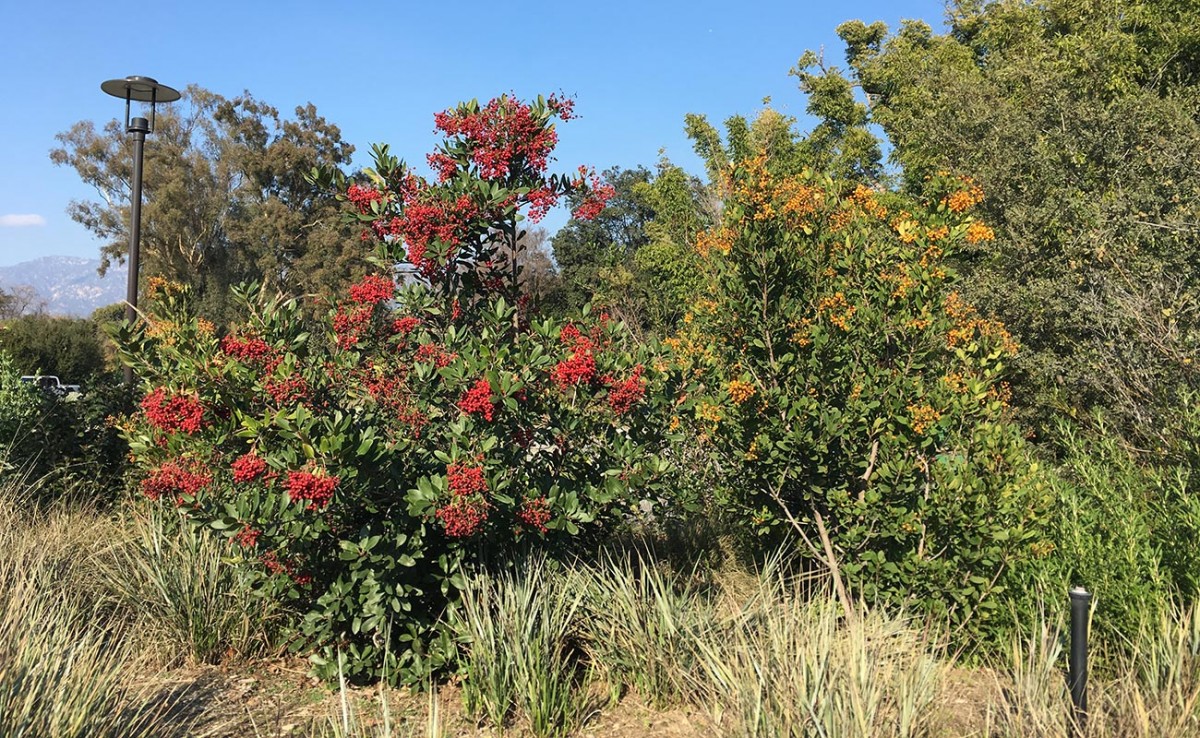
(277, 699)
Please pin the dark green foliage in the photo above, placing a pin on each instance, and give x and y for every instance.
(63, 444)
(1126, 530)
(638, 257)
(20, 407)
(67, 348)
(582, 248)
(1081, 121)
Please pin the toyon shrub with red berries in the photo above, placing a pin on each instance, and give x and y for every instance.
(431, 422)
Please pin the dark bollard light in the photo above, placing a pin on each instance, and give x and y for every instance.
(1081, 601)
(140, 89)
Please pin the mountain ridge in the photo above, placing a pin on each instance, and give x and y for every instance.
(66, 285)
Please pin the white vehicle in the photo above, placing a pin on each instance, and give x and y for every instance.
(51, 383)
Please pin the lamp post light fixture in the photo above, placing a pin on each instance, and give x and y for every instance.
(141, 89)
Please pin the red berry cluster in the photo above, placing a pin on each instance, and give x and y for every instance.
(463, 517)
(273, 564)
(504, 133)
(372, 290)
(540, 202)
(406, 325)
(173, 478)
(316, 488)
(624, 395)
(535, 513)
(247, 537)
(362, 197)
(431, 218)
(287, 391)
(478, 399)
(445, 166)
(596, 196)
(248, 467)
(391, 394)
(465, 480)
(580, 368)
(431, 353)
(171, 413)
(570, 334)
(250, 350)
(563, 107)
(351, 324)
(271, 561)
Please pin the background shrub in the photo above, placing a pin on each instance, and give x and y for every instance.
(71, 349)
(66, 444)
(854, 400)
(1127, 530)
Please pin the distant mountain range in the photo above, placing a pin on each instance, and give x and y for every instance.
(67, 285)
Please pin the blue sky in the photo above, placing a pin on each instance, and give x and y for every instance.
(381, 70)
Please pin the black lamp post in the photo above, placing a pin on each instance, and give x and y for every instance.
(142, 89)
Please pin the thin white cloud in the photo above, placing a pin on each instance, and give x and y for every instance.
(19, 220)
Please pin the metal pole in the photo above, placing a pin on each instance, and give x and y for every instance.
(1081, 601)
(139, 127)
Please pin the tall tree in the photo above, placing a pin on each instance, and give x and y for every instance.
(840, 145)
(1080, 119)
(20, 300)
(638, 257)
(225, 199)
(583, 247)
(667, 270)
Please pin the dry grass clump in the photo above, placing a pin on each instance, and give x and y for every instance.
(791, 664)
(1155, 695)
(521, 663)
(94, 606)
(176, 585)
(67, 666)
(782, 662)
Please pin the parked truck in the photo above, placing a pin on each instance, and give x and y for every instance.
(50, 383)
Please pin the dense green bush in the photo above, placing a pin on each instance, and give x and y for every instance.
(67, 348)
(1081, 120)
(64, 444)
(357, 465)
(1127, 530)
(20, 407)
(855, 401)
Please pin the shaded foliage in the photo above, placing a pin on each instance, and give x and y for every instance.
(1081, 121)
(71, 349)
(637, 258)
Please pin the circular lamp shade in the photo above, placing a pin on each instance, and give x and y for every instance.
(142, 89)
